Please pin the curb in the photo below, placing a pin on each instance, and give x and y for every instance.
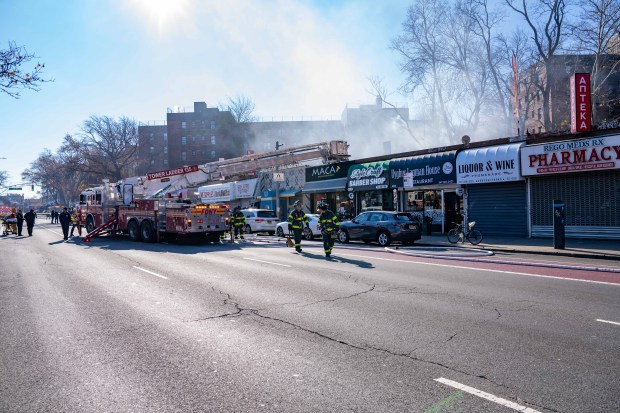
(561, 253)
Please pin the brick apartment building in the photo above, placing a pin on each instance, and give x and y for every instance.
(208, 134)
(605, 102)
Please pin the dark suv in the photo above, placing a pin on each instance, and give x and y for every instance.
(382, 227)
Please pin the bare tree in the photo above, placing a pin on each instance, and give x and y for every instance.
(4, 177)
(545, 20)
(110, 146)
(13, 77)
(241, 108)
(595, 34)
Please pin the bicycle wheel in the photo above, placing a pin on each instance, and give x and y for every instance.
(453, 236)
(474, 236)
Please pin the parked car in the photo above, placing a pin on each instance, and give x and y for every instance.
(308, 234)
(260, 220)
(382, 227)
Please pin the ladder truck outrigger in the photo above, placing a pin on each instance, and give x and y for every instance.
(148, 208)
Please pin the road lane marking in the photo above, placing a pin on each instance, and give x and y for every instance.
(267, 262)
(54, 232)
(479, 269)
(609, 322)
(150, 272)
(487, 396)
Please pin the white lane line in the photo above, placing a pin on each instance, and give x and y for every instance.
(608, 322)
(54, 232)
(488, 396)
(480, 269)
(267, 262)
(150, 272)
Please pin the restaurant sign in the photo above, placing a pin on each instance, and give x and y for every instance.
(368, 176)
(571, 156)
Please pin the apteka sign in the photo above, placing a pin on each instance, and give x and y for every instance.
(580, 118)
(571, 156)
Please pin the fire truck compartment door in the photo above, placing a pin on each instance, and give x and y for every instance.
(127, 194)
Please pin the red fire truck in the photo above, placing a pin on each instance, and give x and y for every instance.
(163, 203)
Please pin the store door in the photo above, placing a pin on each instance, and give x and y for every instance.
(452, 205)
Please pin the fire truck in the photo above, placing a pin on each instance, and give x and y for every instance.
(164, 203)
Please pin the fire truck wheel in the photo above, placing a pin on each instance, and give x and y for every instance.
(148, 233)
(133, 231)
(90, 225)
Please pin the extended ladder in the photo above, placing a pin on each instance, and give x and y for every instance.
(100, 229)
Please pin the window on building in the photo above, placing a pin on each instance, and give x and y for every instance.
(204, 138)
(212, 124)
(152, 161)
(193, 138)
(212, 139)
(212, 154)
(165, 162)
(183, 156)
(165, 137)
(151, 138)
(193, 124)
(183, 125)
(539, 113)
(165, 149)
(183, 140)
(193, 154)
(152, 149)
(532, 114)
(540, 129)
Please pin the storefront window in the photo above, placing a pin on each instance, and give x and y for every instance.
(432, 206)
(415, 201)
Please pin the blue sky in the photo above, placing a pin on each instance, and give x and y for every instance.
(135, 58)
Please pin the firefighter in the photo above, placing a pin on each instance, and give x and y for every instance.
(296, 221)
(237, 221)
(328, 224)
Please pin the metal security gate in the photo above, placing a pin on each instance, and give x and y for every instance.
(498, 209)
(592, 204)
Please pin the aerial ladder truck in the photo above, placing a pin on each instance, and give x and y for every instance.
(164, 203)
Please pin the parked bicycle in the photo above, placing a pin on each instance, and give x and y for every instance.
(458, 233)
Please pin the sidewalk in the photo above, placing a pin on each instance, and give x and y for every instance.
(585, 248)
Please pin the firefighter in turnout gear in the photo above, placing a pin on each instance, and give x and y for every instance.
(237, 222)
(296, 221)
(328, 224)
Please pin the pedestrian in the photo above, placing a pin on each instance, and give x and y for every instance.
(237, 222)
(296, 221)
(53, 216)
(65, 220)
(20, 221)
(76, 222)
(30, 218)
(328, 223)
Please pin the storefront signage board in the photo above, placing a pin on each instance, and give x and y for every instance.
(217, 193)
(329, 171)
(245, 189)
(580, 117)
(424, 170)
(490, 164)
(368, 176)
(571, 156)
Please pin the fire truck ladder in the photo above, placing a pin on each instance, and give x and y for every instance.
(100, 229)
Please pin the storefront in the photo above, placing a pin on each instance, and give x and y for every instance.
(327, 183)
(585, 175)
(494, 192)
(238, 193)
(425, 185)
(368, 187)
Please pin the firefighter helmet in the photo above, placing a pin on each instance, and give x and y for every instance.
(322, 206)
(297, 203)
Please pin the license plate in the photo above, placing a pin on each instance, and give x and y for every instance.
(269, 222)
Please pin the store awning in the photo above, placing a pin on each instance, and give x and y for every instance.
(489, 164)
(270, 194)
(424, 170)
(327, 185)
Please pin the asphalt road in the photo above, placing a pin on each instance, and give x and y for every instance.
(115, 326)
